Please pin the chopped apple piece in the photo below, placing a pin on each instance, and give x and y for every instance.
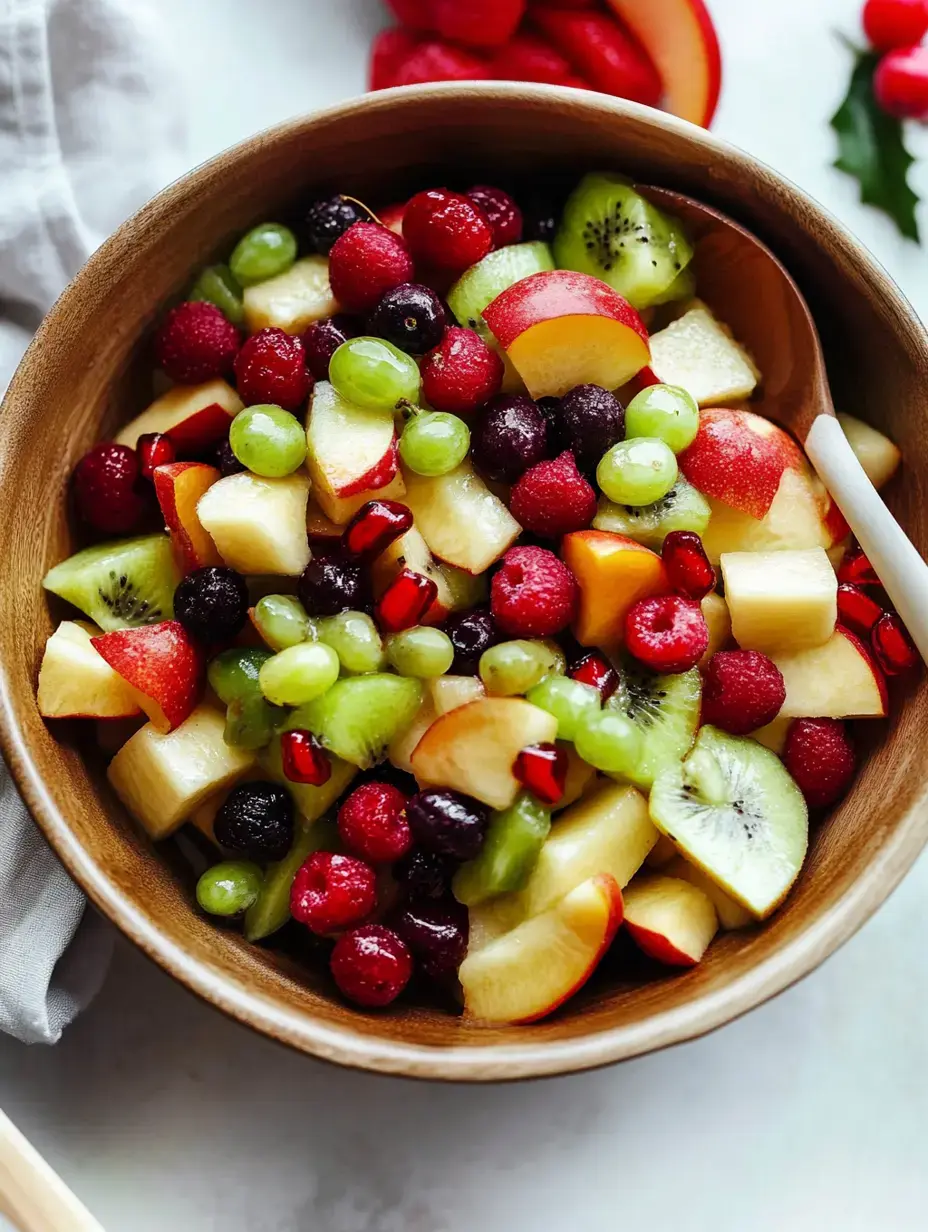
(449, 692)
(580, 777)
(259, 525)
(162, 665)
(613, 573)
(76, 682)
(528, 973)
(780, 601)
(669, 919)
(318, 526)
(460, 519)
(163, 778)
(731, 914)
(773, 736)
(178, 487)
(839, 680)
(718, 622)
(291, 301)
(875, 452)
(699, 353)
(796, 520)
(411, 551)
(193, 416)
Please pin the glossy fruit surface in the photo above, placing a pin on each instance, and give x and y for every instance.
(228, 889)
(743, 691)
(666, 413)
(436, 933)
(233, 673)
(533, 593)
(446, 230)
(592, 420)
(196, 343)
(322, 339)
(900, 83)
(256, 819)
(568, 700)
(374, 527)
(268, 440)
(553, 498)
(411, 316)
(856, 609)
(461, 373)
(421, 651)
(355, 639)
(106, 488)
(371, 965)
(365, 263)
(299, 674)
(304, 759)
(510, 435)
(821, 758)
(637, 472)
(332, 892)
(542, 770)
(372, 823)
(434, 443)
(270, 370)
(609, 741)
(471, 634)
(218, 285)
(688, 568)
(212, 603)
(328, 219)
(154, 449)
(282, 621)
(510, 669)
(266, 251)
(502, 212)
(374, 374)
(895, 23)
(405, 601)
(447, 822)
(333, 583)
(594, 670)
(892, 645)
(667, 633)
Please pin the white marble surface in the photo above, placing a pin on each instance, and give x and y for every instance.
(808, 1114)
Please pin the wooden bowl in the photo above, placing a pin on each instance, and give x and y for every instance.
(87, 371)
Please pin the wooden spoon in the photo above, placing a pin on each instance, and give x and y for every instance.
(32, 1196)
(747, 287)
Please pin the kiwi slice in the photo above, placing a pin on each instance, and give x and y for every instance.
(610, 231)
(359, 716)
(665, 709)
(510, 851)
(734, 811)
(121, 584)
(271, 909)
(490, 277)
(683, 508)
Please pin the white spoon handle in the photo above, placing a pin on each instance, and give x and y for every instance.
(900, 568)
(34, 1197)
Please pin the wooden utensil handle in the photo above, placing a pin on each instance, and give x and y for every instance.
(901, 569)
(33, 1196)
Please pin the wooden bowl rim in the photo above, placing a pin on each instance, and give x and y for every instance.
(343, 1044)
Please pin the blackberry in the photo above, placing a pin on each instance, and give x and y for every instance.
(326, 221)
(257, 821)
(212, 603)
(411, 317)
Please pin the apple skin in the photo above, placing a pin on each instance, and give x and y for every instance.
(193, 416)
(76, 683)
(844, 658)
(163, 666)
(178, 487)
(551, 294)
(613, 572)
(669, 919)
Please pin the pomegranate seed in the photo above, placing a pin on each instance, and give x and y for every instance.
(304, 758)
(687, 564)
(857, 609)
(154, 449)
(892, 645)
(405, 601)
(375, 526)
(593, 669)
(857, 569)
(542, 768)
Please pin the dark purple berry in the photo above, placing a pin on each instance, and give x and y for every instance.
(539, 218)
(411, 317)
(256, 820)
(593, 420)
(322, 339)
(436, 933)
(326, 221)
(225, 460)
(448, 822)
(557, 437)
(504, 215)
(510, 435)
(333, 583)
(212, 603)
(424, 874)
(471, 634)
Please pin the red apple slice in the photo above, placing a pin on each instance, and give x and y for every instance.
(798, 519)
(613, 573)
(178, 487)
(193, 416)
(526, 974)
(76, 682)
(839, 680)
(670, 919)
(163, 666)
(560, 329)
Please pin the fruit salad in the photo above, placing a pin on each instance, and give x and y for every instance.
(455, 597)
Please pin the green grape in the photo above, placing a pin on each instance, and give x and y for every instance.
(512, 668)
(355, 639)
(666, 413)
(217, 285)
(299, 674)
(233, 674)
(229, 889)
(268, 440)
(420, 651)
(265, 252)
(251, 722)
(637, 472)
(569, 701)
(434, 443)
(282, 621)
(609, 742)
(510, 851)
(375, 374)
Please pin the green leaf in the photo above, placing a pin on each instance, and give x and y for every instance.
(872, 149)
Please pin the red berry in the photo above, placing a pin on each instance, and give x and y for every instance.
(820, 757)
(405, 601)
(552, 498)
(542, 770)
(153, 449)
(857, 609)
(900, 83)
(530, 58)
(416, 14)
(106, 488)
(371, 965)
(446, 230)
(304, 759)
(365, 263)
(895, 23)
(607, 56)
(687, 564)
(533, 593)
(331, 892)
(374, 527)
(504, 215)
(742, 691)
(196, 343)
(399, 59)
(668, 634)
(892, 645)
(372, 823)
(271, 368)
(855, 568)
(594, 670)
(461, 373)
(477, 23)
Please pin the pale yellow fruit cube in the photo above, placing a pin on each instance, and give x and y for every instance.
(698, 353)
(291, 301)
(875, 452)
(780, 601)
(259, 525)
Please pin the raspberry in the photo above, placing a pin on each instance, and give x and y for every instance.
(332, 892)
(742, 691)
(461, 373)
(604, 53)
(196, 343)
(372, 822)
(530, 58)
(821, 758)
(504, 215)
(446, 230)
(365, 263)
(533, 593)
(477, 23)
(271, 368)
(668, 634)
(553, 498)
(400, 59)
(105, 488)
(371, 965)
